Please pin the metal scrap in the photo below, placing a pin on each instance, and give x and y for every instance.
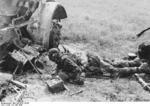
(17, 26)
(55, 85)
(18, 84)
(11, 88)
(19, 97)
(29, 54)
(77, 92)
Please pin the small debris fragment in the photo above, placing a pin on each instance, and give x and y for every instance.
(142, 82)
(18, 84)
(76, 93)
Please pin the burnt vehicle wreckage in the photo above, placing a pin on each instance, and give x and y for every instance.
(30, 37)
(28, 29)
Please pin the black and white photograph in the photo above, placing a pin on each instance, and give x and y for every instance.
(74, 51)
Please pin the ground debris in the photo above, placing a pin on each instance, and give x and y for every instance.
(55, 85)
(77, 92)
(12, 91)
(145, 85)
(18, 84)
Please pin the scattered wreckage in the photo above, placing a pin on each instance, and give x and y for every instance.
(31, 31)
(29, 18)
(28, 28)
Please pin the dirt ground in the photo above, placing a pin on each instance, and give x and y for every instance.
(109, 28)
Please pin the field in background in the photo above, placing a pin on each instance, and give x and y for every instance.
(108, 27)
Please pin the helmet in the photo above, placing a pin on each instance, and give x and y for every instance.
(53, 50)
(54, 54)
(144, 50)
(93, 60)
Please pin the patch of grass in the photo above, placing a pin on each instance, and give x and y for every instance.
(109, 28)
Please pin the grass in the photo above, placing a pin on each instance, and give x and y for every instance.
(112, 25)
(109, 28)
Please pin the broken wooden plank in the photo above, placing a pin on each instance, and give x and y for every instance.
(77, 92)
(142, 82)
(18, 84)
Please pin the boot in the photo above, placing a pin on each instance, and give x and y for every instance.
(144, 68)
